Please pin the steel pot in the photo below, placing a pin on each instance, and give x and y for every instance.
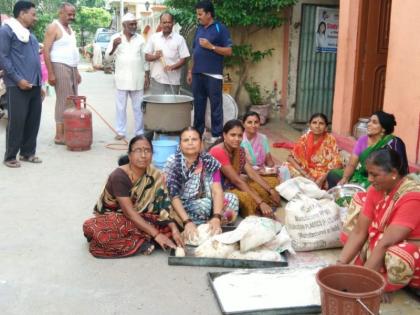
(167, 113)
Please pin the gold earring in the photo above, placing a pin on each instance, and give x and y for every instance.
(394, 177)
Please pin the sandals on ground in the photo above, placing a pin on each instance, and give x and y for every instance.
(30, 159)
(59, 142)
(12, 163)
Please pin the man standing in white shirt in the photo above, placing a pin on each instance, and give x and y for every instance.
(131, 73)
(167, 52)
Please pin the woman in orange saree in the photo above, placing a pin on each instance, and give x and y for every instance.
(315, 153)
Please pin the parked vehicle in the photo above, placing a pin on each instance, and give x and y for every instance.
(103, 37)
(3, 102)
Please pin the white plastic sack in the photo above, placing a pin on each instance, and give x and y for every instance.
(252, 232)
(280, 243)
(313, 224)
(290, 188)
(203, 234)
(212, 248)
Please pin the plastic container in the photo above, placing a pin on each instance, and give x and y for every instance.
(162, 149)
(164, 136)
(348, 289)
(360, 128)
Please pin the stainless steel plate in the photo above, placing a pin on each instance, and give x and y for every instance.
(346, 190)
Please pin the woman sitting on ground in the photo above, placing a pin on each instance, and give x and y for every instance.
(132, 213)
(255, 143)
(379, 135)
(315, 153)
(386, 237)
(256, 195)
(194, 184)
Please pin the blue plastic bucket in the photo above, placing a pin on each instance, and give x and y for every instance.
(162, 149)
(163, 136)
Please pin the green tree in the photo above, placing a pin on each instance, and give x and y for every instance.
(90, 15)
(89, 19)
(244, 18)
(6, 7)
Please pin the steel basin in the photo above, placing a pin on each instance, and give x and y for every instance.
(167, 113)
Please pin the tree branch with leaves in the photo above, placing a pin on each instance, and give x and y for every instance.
(244, 18)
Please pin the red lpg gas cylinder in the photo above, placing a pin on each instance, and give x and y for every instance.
(77, 125)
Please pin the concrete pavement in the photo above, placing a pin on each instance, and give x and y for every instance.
(45, 266)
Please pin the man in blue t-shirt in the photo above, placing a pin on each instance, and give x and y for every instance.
(211, 43)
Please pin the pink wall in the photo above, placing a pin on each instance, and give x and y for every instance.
(402, 86)
(345, 73)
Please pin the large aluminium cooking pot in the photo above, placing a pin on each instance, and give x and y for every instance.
(167, 113)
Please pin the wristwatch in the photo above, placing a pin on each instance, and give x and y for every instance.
(213, 48)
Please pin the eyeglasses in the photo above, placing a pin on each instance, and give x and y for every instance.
(145, 151)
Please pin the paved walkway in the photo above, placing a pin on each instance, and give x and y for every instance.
(45, 266)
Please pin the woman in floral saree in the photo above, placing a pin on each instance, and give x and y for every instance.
(132, 213)
(194, 184)
(315, 153)
(386, 237)
(379, 135)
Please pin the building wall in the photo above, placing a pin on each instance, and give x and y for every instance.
(269, 69)
(294, 37)
(345, 70)
(402, 92)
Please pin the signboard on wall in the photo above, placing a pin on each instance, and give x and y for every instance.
(326, 29)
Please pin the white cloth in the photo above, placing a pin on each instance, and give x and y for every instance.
(21, 32)
(173, 49)
(130, 62)
(128, 17)
(121, 115)
(64, 50)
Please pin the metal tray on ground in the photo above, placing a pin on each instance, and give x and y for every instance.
(223, 297)
(191, 260)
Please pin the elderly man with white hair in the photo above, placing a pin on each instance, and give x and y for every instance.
(131, 73)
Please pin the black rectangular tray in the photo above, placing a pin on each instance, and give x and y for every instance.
(310, 309)
(191, 260)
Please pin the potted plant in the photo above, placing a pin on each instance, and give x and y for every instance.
(259, 103)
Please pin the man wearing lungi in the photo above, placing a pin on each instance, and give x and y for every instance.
(61, 57)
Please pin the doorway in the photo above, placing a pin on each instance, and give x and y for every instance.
(371, 57)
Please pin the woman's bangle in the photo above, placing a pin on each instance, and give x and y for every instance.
(217, 215)
(185, 222)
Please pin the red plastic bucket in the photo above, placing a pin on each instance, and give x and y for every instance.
(350, 290)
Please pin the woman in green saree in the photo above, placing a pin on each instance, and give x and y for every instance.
(379, 135)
